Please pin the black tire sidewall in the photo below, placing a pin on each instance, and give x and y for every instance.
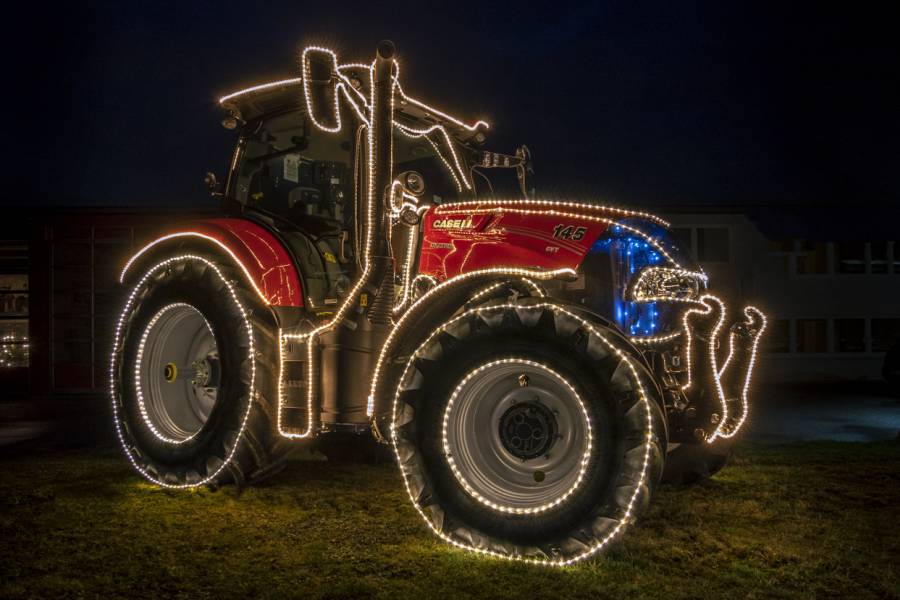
(616, 388)
(197, 283)
(604, 462)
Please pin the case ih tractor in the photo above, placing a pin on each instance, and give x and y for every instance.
(536, 367)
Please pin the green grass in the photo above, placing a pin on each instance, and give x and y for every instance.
(806, 520)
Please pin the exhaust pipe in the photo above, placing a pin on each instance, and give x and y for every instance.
(380, 180)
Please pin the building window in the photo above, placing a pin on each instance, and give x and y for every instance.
(713, 244)
(13, 321)
(684, 238)
(812, 258)
(878, 257)
(812, 335)
(850, 335)
(885, 333)
(850, 257)
(778, 336)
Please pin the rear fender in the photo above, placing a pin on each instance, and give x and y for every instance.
(262, 258)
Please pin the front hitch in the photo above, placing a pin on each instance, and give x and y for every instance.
(718, 391)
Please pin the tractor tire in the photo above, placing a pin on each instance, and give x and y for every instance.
(195, 370)
(690, 463)
(522, 432)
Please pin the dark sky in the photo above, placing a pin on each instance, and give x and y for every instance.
(629, 102)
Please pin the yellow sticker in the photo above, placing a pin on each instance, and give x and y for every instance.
(330, 257)
(363, 299)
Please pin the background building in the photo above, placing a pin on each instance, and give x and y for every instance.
(828, 280)
(59, 295)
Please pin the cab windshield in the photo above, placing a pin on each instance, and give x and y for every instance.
(289, 167)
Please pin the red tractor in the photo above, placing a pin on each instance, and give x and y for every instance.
(536, 367)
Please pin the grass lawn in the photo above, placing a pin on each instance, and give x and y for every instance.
(804, 520)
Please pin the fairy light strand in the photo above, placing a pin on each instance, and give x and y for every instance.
(117, 339)
(583, 463)
(648, 441)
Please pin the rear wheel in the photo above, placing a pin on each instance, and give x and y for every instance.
(526, 432)
(194, 371)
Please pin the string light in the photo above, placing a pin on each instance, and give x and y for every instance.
(261, 87)
(708, 305)
(754, 316)
(310, 337)
(208, 238)
(137, 371)
(585, 458)
(117, 338)
(465, 205)
(447, 284)
(648, 438)
(659, 339)
(486, 291)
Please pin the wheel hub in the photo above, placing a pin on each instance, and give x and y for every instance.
(177, 372)
(528, 430)
(498, 429)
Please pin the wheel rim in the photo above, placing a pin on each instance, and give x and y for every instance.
(517, 436)
(177, 372)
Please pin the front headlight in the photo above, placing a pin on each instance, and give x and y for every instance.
(667, 284)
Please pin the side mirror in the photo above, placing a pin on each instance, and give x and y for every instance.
(212, 184)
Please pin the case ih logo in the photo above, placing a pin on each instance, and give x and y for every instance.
(453, 223)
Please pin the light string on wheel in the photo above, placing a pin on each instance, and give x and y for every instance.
(137, 371)
(117, 340)
(583, 463)
(647, 443)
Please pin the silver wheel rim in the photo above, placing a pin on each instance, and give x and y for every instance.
(177, 373)
(481, 425)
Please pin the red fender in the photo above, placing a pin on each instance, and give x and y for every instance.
(263, 259)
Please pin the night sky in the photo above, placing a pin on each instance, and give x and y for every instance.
(714, 103)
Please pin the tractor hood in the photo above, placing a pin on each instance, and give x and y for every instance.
(465, 236)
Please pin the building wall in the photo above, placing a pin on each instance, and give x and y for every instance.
(74, 258)
(833, 307)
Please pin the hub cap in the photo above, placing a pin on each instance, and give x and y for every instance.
(527, 430)
(177, 373)
(517, 436)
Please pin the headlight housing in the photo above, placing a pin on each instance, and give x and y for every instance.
(667, 284)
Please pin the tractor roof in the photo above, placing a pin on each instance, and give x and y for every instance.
(259, 100)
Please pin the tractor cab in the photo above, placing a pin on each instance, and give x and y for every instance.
(309, 181)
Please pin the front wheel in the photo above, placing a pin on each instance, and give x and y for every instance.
(193, 371)
(693, 462)
(525, 431)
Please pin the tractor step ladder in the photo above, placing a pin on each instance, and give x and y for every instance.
(294, 407)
